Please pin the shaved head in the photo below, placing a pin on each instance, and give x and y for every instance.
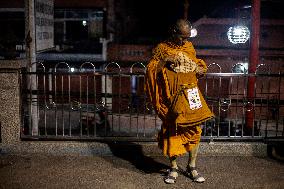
(181, 27)
(180, 32)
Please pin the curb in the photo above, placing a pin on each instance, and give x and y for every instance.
(114, 148)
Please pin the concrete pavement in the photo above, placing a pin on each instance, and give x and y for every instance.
(130, 169)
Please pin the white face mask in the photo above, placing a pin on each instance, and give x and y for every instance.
(193, 32)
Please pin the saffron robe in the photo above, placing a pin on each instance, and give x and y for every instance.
(171, 86)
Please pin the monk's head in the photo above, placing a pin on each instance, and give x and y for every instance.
(180, 32)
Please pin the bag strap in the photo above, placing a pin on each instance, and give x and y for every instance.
(180, 91)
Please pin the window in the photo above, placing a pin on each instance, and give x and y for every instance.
(79, 29)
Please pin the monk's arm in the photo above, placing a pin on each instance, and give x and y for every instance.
(152, 88)
(201, 68)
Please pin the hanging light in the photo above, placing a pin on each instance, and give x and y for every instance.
(238, 34)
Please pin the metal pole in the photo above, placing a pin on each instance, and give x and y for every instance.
(30, 31)
(185, 9)
(254, 56)
(31, 57)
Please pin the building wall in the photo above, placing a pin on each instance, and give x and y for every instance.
(59, 3)
(80, 4)
(215, 35)
(272, 36)
(12, 4)
(212, 35)
(119, 52)
(213, 46)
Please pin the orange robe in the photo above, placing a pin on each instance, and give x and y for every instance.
(171, 95)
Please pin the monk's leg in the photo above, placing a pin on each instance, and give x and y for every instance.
(191, 167)
(173, 161)
(172, 172)
(192, 156)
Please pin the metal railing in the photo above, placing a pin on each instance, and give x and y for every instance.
(61, 102)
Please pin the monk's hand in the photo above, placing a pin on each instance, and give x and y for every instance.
(161, 65)
(200, 70)
(171, 59)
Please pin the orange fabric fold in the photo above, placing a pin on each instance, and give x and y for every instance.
(180, 130)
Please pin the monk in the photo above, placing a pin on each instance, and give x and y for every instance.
(171, 86)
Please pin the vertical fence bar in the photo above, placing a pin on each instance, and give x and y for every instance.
(95, 100)
(137, 101)
(106, 100)
(119, 104)
(51, 92)
(87, 90)
(130, 99)
(206, 97)
(237, 108)
(37, 102)
(62, 94)
(219, 97)
(80, 101)
(237, 96)
(278, 102)
(144, 110)
(69, 102)
(244, 103)
(264, 93)
(230, 93)
(255, 96)
(56, 102)
(269, 95)
(106, 90)
(253, 108)
(212, 108)
(38, 94)
(87, 101)
(30, 102)
(62, 103)
(263, 103)
(137, 112)
(45, 100)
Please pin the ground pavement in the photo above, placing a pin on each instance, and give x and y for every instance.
(128, 170)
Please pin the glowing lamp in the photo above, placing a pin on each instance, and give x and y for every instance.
(238, 34)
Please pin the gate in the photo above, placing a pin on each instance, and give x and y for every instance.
(66, 103)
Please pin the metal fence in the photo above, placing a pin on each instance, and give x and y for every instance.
(62, 102)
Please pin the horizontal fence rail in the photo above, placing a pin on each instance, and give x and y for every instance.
(62, 102)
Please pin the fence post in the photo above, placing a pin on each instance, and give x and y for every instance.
(254, 57)
(10, 116)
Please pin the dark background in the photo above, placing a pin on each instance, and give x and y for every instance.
(154, 16)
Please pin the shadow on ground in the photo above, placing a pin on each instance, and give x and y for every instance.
(133, 154)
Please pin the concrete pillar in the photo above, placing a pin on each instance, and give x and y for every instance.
(10, 114)
(104, 46)
(31, 55)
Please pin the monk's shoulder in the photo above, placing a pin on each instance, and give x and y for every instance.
(160, 47)
(189, 44)
(159, 51)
